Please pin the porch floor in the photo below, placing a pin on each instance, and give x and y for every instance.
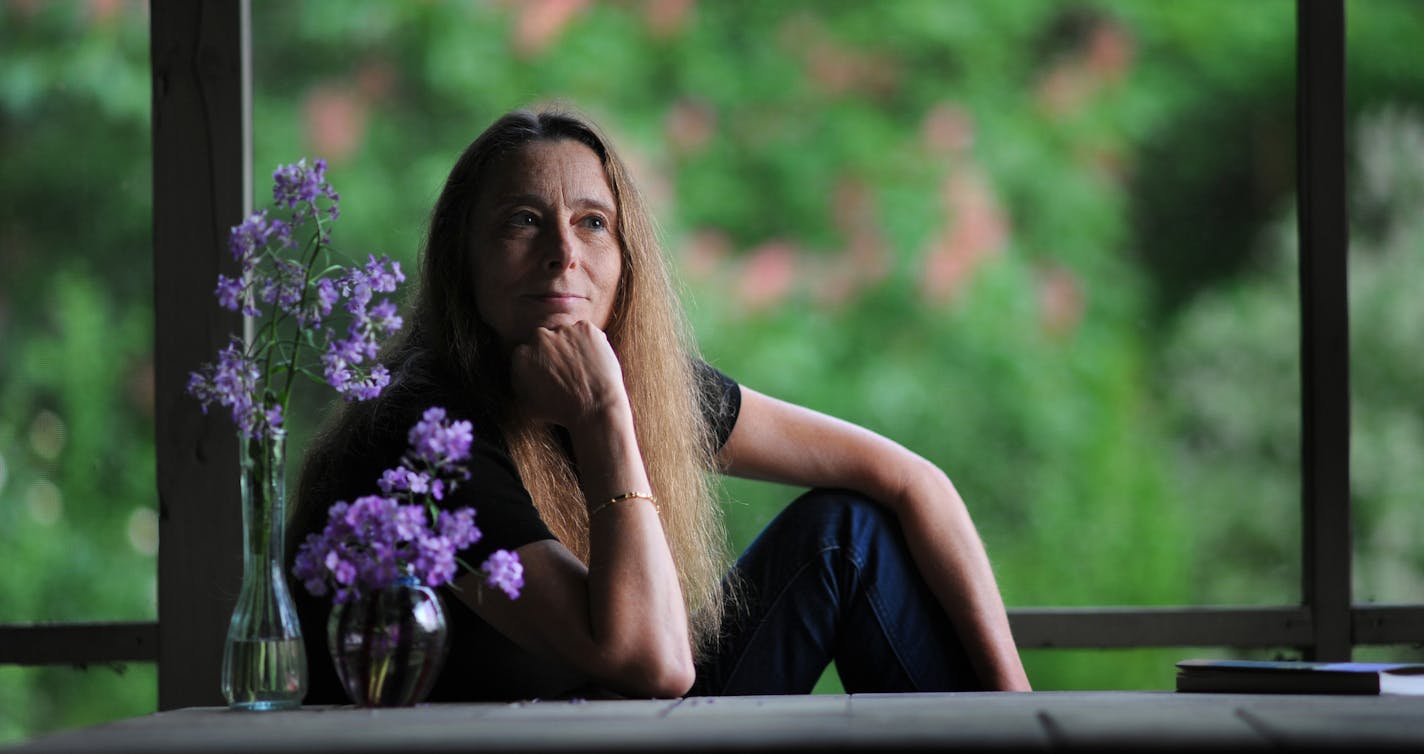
(1042, 721)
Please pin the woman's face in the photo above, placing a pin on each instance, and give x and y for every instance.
(546, 243)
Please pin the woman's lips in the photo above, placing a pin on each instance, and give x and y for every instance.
(556, 300)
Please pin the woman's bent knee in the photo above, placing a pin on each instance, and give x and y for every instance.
(825, 518)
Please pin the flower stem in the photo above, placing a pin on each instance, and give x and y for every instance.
(301, 306)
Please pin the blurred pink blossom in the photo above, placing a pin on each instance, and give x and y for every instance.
(1103, 59)
(866, 259)
(1064, 89)
(839, 69)
(375, 79)
(833, 66)
(1060, 300)
(652, 178)
(539, 23)
(666, 18)
(978, 229)
(705, 253)
(767, 276)
(1110, 51)
(335, 121)
(103, 12)
(948, 129)
(689, 125)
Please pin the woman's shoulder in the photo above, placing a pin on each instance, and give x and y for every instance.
(376, 431)
(420, 383)
(345, 459)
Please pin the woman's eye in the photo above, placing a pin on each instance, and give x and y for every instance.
(595, 222)
(523, 220)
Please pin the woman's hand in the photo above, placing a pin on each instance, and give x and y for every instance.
(568, 376)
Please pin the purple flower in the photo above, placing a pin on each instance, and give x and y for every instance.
(281, 234)
(417, 483)
(284, 288)
(299, 184)
(503, 570)
(358, 291)
(342, 571)
(393, 480)
(381, 569)
(342, 368)
(229, 293)
(374, 541)
(198, 387)
(350, 350)
(336, 370)
(402, 479)
(232, 382)
(435, 561)
(309, 565)
(326, 296)
(370, 385)
(439, 442)
(382, 274)
(410, 523)
(459, 527)
(249, 236)
(384, 319)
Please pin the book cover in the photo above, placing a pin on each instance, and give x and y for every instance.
(1285, 677)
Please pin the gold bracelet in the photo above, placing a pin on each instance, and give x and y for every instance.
(625, 496)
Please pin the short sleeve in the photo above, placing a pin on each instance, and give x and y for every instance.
(721, 402)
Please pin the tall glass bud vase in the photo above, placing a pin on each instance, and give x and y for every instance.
(264, 660)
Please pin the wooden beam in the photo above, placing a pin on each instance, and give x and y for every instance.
(1034, 628)
(1325, 338)
(1388, 624)
(198, 178)
(1116, 628)
(78, 643)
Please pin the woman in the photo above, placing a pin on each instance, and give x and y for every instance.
(547, 317)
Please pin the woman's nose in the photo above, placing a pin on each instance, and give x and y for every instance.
(560, 247)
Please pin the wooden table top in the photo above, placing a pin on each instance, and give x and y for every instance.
(863, 722)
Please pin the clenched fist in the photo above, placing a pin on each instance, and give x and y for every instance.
(568, 376)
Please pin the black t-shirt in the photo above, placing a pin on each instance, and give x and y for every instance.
(482, 665)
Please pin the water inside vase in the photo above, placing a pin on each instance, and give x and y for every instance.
(265, 674)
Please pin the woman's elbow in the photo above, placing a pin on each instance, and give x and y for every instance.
(661, 675)
(672, 681)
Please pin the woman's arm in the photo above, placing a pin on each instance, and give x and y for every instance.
(621, 621)
(780, 442)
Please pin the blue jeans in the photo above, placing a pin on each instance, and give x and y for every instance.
(830, 578)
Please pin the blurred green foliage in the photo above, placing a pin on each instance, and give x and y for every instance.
(78, 514)
(1047, 245)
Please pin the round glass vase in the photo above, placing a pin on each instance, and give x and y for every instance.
(389, 645)
(264, 660)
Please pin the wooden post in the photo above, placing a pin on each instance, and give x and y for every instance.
(1325, 335)
(199, 169)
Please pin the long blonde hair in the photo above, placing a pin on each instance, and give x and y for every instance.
(648, 331)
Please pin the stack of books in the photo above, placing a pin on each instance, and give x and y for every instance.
(1266, 677)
